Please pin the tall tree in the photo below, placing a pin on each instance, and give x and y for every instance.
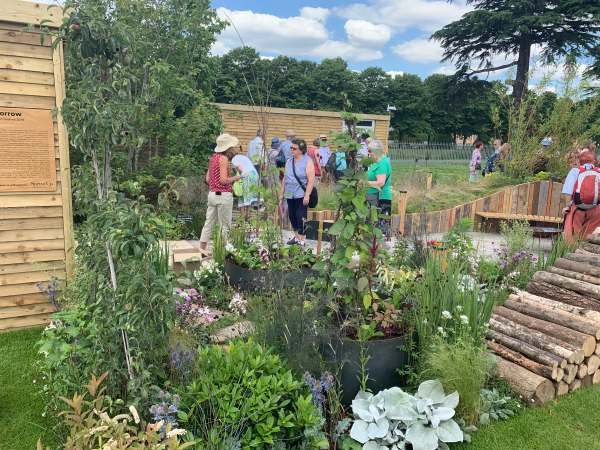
(374, 91)
(512, 27)
(411, 118)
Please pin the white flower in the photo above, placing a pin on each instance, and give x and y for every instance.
(176, 432)
(425, 321)
(459, 308)
(464, 319)
(354, 260)
(229, 247)
(238, 304)
(441, 331)
(446, 314)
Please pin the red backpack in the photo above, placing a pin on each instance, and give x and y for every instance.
(587, 188)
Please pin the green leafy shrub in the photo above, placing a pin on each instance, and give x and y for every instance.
(463, 366)
(246, 394)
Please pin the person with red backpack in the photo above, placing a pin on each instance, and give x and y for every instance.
(583, 184)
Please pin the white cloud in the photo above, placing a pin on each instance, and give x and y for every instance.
(419, 51)
(303, 35)
(318, 14)
(395, 73)
(269, 33)
(333, 49)
(447, 69)
(427, 15)
(367, 34)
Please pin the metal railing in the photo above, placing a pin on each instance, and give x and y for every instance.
(433, 151)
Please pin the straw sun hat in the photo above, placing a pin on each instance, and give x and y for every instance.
(226, 141)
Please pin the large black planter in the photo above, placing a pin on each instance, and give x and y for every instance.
(257, 279)
(385, 357)
(311, 228)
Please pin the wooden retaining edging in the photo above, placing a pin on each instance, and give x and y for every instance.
(539, 198)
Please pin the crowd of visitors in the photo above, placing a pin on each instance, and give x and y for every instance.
(291, 167)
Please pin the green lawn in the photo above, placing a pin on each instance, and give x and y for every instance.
(21, 421)
(451, 185)
(568, 424)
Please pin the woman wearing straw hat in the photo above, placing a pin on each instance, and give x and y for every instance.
(220, 181)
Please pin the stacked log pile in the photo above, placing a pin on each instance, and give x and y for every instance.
(547, 338)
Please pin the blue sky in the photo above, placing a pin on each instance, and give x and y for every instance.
(392, 34)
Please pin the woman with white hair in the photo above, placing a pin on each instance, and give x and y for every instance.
(379, 176)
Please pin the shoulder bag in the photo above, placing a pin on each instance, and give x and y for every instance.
(313, 200)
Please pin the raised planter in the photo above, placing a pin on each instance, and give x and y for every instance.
(311, 228)
(385, 357)
(258, 279)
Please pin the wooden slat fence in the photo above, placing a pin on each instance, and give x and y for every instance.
(539, 198)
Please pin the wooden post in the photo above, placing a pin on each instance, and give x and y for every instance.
(429, 181)
(402, 197)
(320, 215)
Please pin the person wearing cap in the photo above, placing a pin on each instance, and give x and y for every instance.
(220, 180)
(256, 150)
(286, 146)
(324, 152)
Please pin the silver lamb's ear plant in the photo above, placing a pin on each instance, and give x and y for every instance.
(390, 419)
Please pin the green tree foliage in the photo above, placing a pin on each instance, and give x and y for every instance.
(135, 67)
(512, 27)
(421, 106)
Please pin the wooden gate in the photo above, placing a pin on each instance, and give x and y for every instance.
(36, 241)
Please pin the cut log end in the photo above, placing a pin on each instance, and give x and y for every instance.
(561, 388)
(533, 388)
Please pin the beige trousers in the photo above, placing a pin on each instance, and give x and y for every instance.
(218, 213)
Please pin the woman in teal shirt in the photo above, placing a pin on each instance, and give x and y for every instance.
(379, 176)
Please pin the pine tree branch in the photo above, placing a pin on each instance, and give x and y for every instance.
(492, 69)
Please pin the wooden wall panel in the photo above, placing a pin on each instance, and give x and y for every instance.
(35, 228)
(243, 121)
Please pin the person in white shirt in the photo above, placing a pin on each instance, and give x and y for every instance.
(256, 151)
(249, 180)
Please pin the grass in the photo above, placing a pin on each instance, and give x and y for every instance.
(569, 423)
(21, 407)
(451, 185)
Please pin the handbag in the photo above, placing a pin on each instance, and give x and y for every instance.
(238, 189)
(313, 199)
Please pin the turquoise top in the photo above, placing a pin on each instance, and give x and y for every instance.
(340, 161)
(382, 167)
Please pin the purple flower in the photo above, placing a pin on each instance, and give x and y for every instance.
(166, 410)
(319, 388)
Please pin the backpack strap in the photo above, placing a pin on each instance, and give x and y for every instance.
(296, 175)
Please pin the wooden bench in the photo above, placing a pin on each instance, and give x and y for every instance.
(480, 216)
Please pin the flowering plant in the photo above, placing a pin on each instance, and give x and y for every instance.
(190, 310)
(209, 276)
(238, 304)
(319, 388)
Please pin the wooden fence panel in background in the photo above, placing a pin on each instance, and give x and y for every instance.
(35, 227)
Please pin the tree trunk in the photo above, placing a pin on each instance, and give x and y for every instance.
(563, 295)
(533, 388)
(562, 388)
(593, 364)
(582, 287)
(555, 316)
(584, 257)
(517, 358)
(535, 338)
(534, 353)
(575, 266)
(570, 373)
(588, 315)
(522, 78)
(573, 338)
(574, 275)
